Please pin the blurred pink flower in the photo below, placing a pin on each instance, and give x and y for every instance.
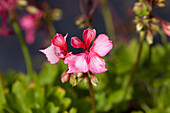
(4, 31)
(58, 49)
(8, 5)
(166, 27)
(90, 59)
(28, 24)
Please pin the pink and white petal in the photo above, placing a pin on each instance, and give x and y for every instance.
(50, 54)
(95, 63)
(102, 45)
(65, 37)
(88, 36)
(77, 43)
(59, 41)
(77, 63)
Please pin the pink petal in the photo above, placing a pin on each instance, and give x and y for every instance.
(60, 41)
(95, 63)
(30, 36)
(4, 31)
(88, 36)
(77, 43)
(77, 63)
(27, 22)
(50, 53)
(65, 76)
(102, 45)
(166, 27)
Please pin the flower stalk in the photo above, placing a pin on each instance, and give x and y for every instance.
(24, 48)
(92, 95)
(132, 75)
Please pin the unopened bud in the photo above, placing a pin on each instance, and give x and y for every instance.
(86, 81)
(94, 79)
(22, 2)
(65, 76)
(139, 26)
(79, 75)
(73, 80)
(32, 9)
(166, 27)
(57, 14)
(149, 37)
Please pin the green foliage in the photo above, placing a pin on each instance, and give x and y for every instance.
(150, 92)
(40, 96)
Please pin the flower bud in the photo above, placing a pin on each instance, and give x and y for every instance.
(166, 27)
(32, 9)
(94, 79)
(79, 75)
(65, 76)
(57, 14)
(73, 80)
(22, 2)
(139, 26)
(86, 81)
(149, 37)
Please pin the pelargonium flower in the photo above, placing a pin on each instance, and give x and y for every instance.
(58, 49)
(90, 59)
(4, 31)
(28, 24)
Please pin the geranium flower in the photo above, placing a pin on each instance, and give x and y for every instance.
(4, 31)
(90, 59)
(29, 25)
(58, 49)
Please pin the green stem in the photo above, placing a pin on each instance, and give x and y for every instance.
(24, 48)
(132, 75)
(51, 28)
(2, 97)
(92, 95)
(107, 18)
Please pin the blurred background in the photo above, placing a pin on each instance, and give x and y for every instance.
(11, 56)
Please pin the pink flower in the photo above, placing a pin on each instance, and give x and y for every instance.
(58, 49)
(90, 59)
(8, 5)
(166, 27)
(28, 24)
(4, 31)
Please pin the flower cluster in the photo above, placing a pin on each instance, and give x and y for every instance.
(6, 6)
(84, 63)
(146, 21)
(29, 24)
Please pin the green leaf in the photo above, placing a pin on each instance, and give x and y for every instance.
(118, 96)
(73, 110)
(2, 97)
(19, 96)
(56, 95)
(48, 74)
(51, 108)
